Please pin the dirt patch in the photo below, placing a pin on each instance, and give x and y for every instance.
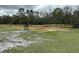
(46, 29)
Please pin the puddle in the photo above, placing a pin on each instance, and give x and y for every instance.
(12, 39)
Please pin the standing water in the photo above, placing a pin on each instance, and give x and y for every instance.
(13, 39)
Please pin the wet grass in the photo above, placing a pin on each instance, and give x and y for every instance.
(55, 41)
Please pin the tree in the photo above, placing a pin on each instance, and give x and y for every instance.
(31, 16)
(22, 16)
(57, 16)
(76, 18)
(67, 15)
(21, 12)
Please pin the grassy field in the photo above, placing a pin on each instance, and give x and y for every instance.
(45, 41)
(54, 41)
(6, 27)
(37, 28)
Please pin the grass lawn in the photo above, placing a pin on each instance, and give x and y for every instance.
(7, 27)
(53, 41)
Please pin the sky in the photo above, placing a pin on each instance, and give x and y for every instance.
(12, 9)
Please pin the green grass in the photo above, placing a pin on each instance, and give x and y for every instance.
(59, 41)
(8, 27)
(7, 30)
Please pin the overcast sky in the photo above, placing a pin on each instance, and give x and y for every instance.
(12, 9)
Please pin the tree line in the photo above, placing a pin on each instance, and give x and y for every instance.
(65, 15)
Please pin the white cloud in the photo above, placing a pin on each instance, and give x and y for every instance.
(12, 9)
(9, 12)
